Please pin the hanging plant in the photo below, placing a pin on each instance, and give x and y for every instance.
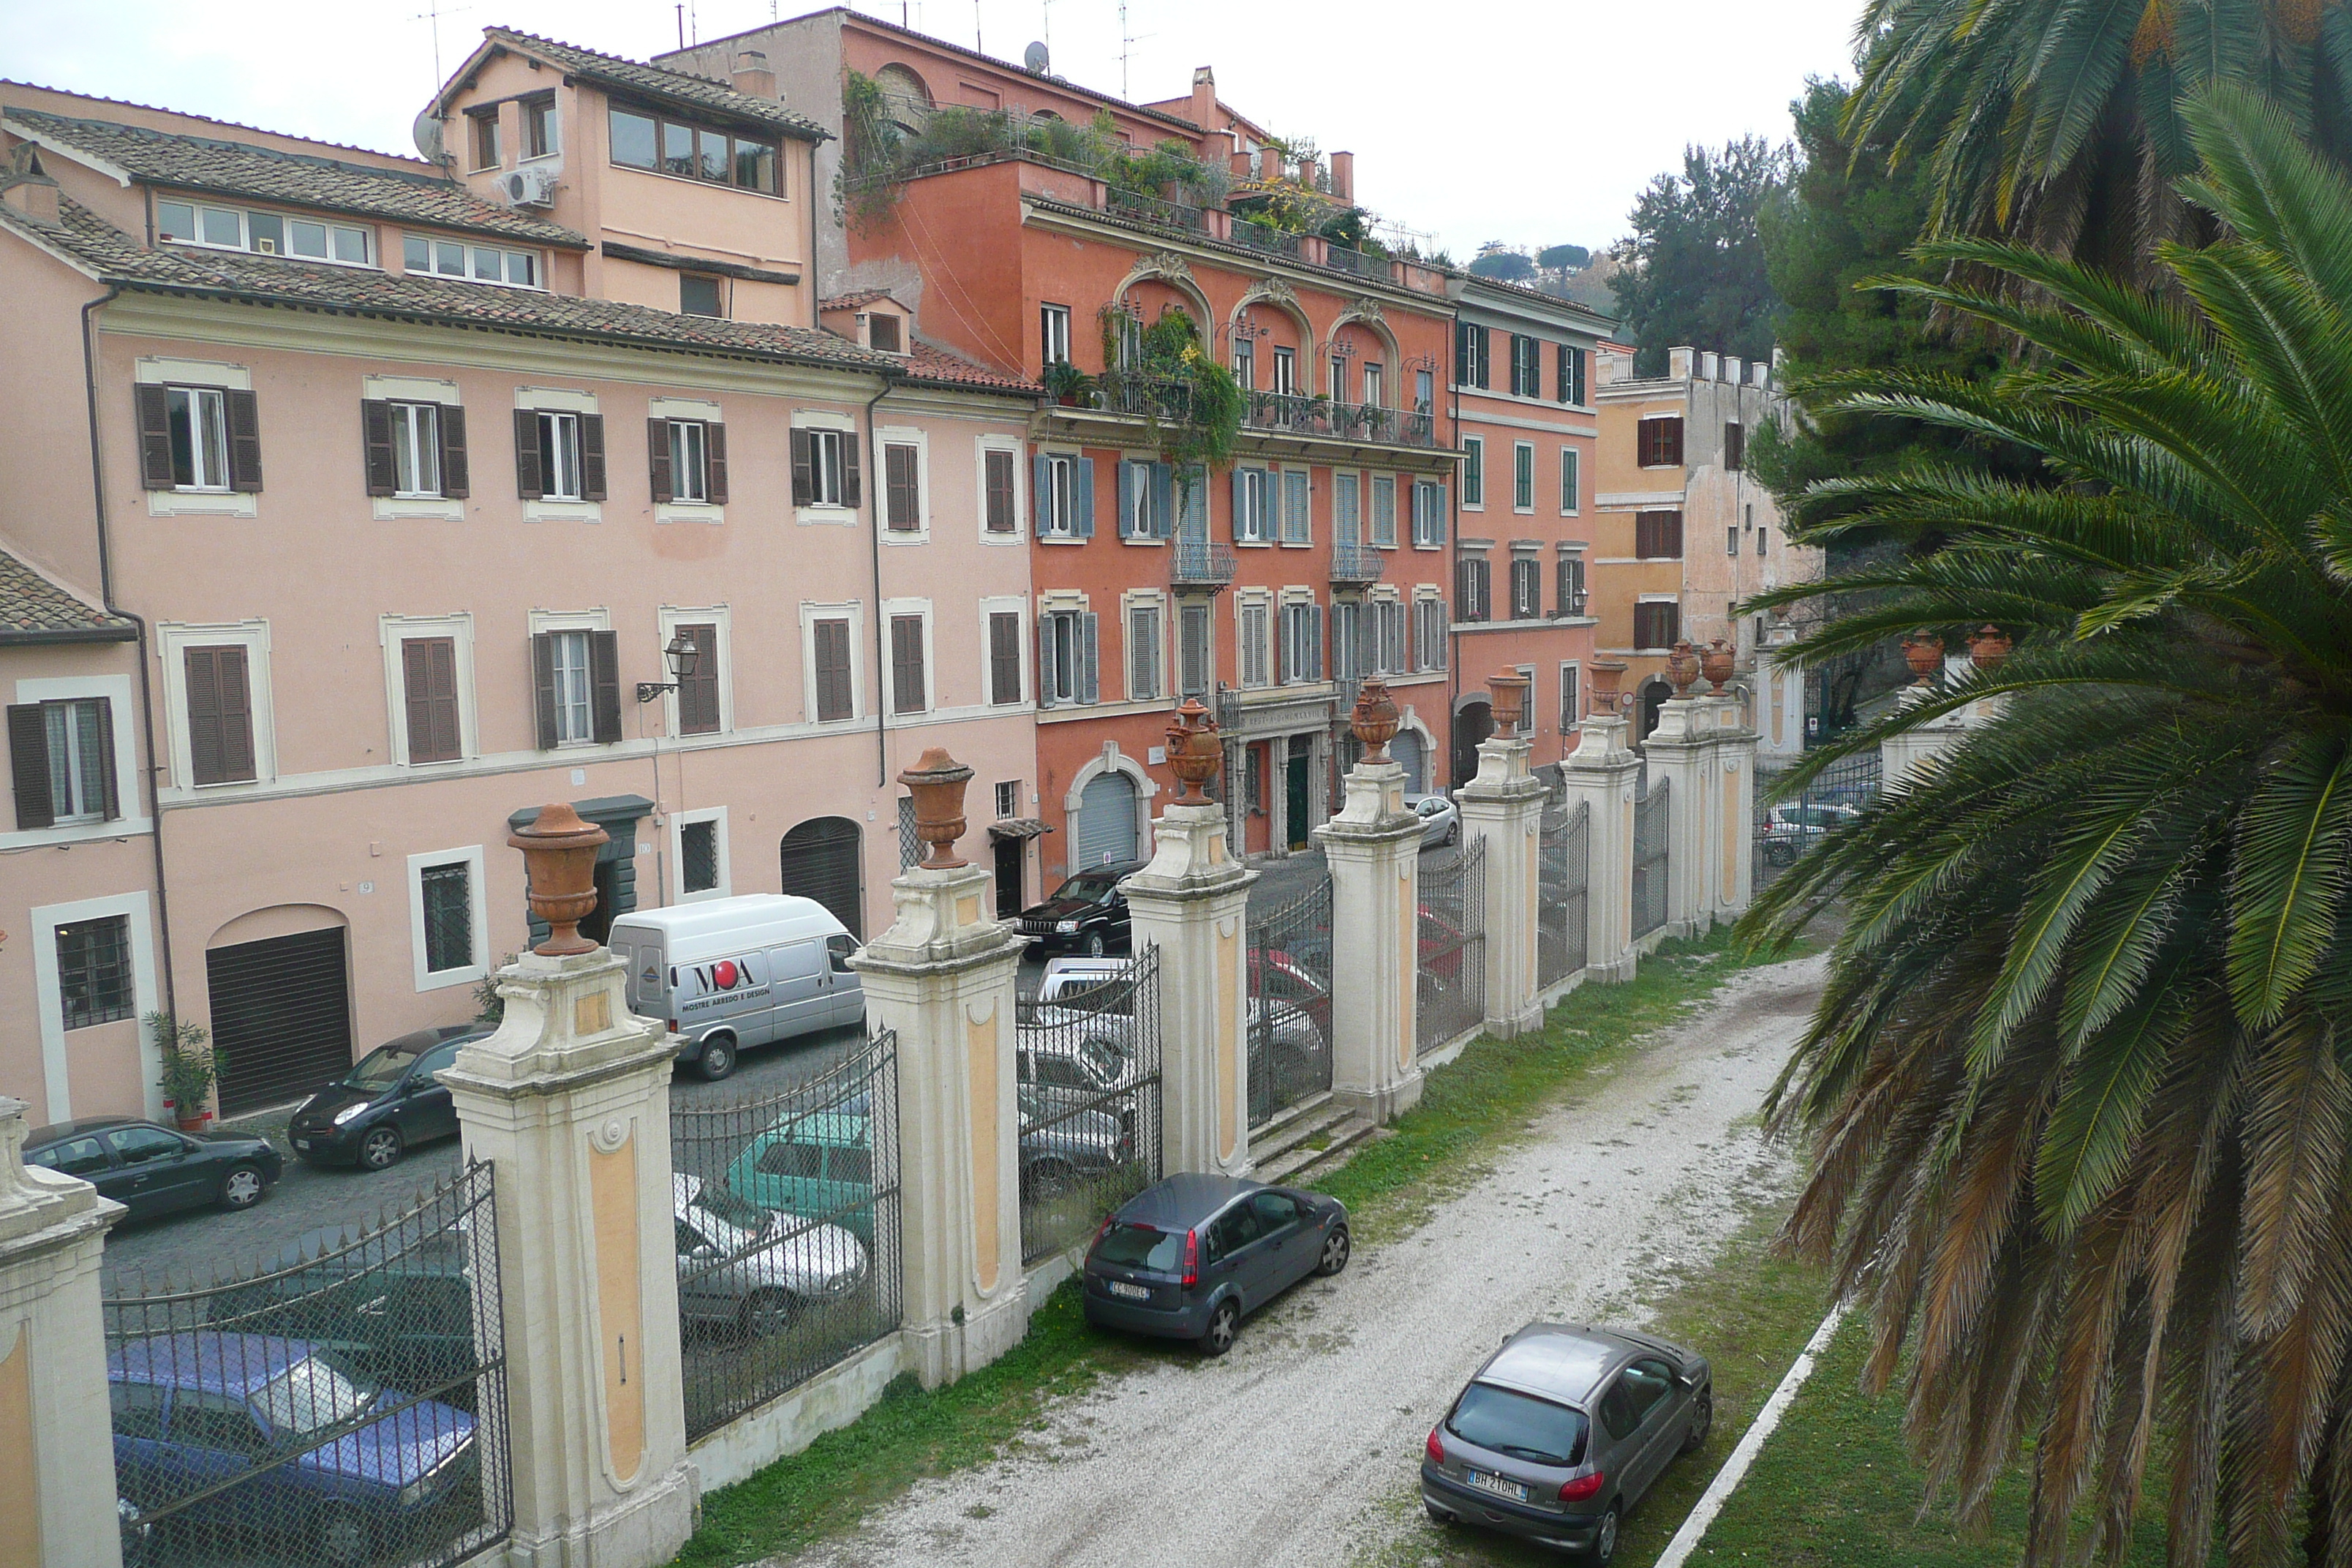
(1192, 406)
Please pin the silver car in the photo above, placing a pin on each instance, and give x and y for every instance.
(1561, 1433)
(741, 1266)
(1440, 823)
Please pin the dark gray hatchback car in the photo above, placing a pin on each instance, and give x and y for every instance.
(1187, 1256)
(1562, 1431)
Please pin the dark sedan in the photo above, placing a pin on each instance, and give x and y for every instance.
(386, 1104)
(1186, 1258)
(1087, 915)
(152, 1170)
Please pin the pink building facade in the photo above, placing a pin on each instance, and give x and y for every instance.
(389, 501)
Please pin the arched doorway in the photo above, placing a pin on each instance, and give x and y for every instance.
(820, 859)
(1474, 723)
(1409, 753)
(1654, 694)
(1104, 830)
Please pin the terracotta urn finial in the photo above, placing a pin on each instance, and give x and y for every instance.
(1375, 719)
(1717, 661)
(559, 856)
(1923, 650)
(1988, 647)
(1606, 673)
(1507, 696)
(1195, 753)
(936, 781)
(1682, 668)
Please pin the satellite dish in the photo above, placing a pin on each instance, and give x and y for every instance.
(426, 133)
(1036, 59)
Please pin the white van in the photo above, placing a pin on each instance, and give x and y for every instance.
(729, 974)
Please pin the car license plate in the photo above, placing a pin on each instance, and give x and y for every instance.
(1133, 1292)
(1499, 1486)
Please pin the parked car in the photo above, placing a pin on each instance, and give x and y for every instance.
(1440, 822)
(743, 1266)
(1187, 1257)
(194, 1410)
(1790, 830)
(386, 1105)
(1070, 979)
(1087, 914)
(732, 974)
(1560, 1432)
(1062, 1146)
(154, 1170)
(817, 1165)
(394, 1306)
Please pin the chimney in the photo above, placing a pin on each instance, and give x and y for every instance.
(1731, 371)
(27, 189)
(1678, 363)
(752, 76)
(1306, 172)
(1762, 371)
(1204, 98)
(1609, 366)
(1239, 162)
(1269, 164)
(1343, 176)
(1709, 366)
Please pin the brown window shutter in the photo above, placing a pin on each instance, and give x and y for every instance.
(1003, 654)
(204, 717)
(456, 482)
(803, 469)
(429, 677)
(697, 694)
(591, 456)
(154, 437)
(244, 440)
(110, 793)
(906, 664)
(237, 714)
(905, 495)
(714, 437)
(832, 651)
(604, 681)
(531, 467)
(658, 458)
(1672, 455)
(1000, 492)
(542, 686)
(375, 445)
(220, 716)
(28, 763)
(1734, 446)
(1674, 527)
(852, 490)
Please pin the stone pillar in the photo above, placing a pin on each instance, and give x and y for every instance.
(941, 978)
(1603, 774)
(1900, 756)
(57, 1440)
(570, 1100)
(1682, 752)
(1191, 902)
(1736, 885)
(1373, 847)
(1503, 808)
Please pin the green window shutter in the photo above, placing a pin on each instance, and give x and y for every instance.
(1083, 509)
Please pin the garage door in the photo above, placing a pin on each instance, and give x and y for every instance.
(820, 862)
(1407, 750)
(1106, 826)
(281, 1018)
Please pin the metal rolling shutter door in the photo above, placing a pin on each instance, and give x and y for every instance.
(1406, 748)
(1106, 827)
(820, 861)
(281, 1017)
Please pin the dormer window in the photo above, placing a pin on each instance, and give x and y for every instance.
(422, 256)
(539, 126)
(882, 335)
(484, 124)
(263, 233)
(642, 138)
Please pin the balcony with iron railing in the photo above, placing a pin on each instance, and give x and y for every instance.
(1125, 203)
(1163, 397)
(1355, 565)
(1194, 561)
(1267, 237)
(1297, 415)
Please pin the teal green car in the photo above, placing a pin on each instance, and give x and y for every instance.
(818, 1166)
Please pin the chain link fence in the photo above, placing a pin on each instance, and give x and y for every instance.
(785, 1207)
(1652, 813)
(344, 1405)
(1089, 1104)
(1290, 1004)
(1450, 946)
(1565, 858)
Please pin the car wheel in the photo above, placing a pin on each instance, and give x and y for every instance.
(1224, 1321)
(380, 1148)
(1702, 1420)
(1096, 947)
(1335, 1253)
(242, 1187)
(1453, 833)
(718, 1060)
(1778, 854)
(768, 1314)
(342, 1536)
(1604, 1541)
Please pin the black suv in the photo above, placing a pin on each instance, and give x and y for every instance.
(1087, 915)
(389, 1101)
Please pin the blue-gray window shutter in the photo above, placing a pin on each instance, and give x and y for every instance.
(1044, 660)
(1241, 490)
(1082, 508)
(1089, 658)
(1127, 499)
(1315, 640)
(1163, 500)
(1037, 493)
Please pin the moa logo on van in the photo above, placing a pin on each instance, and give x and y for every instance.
(722, 984)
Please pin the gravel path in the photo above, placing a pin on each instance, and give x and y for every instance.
(1297, 1448)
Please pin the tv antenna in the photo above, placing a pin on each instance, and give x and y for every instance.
(1127, 42)
(434, 11)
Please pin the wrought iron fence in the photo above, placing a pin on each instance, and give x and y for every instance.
(1785, 829)
(347, 1405)
(1450, 929)
(1290, 1004)
(1362, 263)
(1301, 415)
(1151, 209)
(1265, 236)
(785, 1207)
(1565, 857)
(1652, 813)
(1088, 1084)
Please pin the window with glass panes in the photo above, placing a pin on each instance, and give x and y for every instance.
(574, 688)
(1389, 650)
(478, 263)
(1523, 476)
(415, 448)
(1527, 366)
(1255, 631)
(1384, 509)
(1430, 636)
(79, 750)
(1526, 589)
(266, 233)
(94, 985)
(1473, 471)
(1143, 645)
(197, 419)
(645, 139)
(1571, 696)
(1571, 586)
(1429, 514)
(445, 893)
(697, 856)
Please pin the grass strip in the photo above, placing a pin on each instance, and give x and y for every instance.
(1486, 1097)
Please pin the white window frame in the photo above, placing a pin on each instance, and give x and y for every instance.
(1571, 683)
(689, 461)
(478, 906)
(1427, 594)
(680, 821)
(575, 715)
(818, 422)
(441, 395)
(1389, 614)
(1300, 611)
(1024, 645)
(668, 619)
(981, 446)
(205, 412)
(582, 622)
(78, 787)
(1053, 333)
(1259, 494)
(1534, 561)
(1137, 527)
(1253, 607)
(1571, 481)
(1380, 529)
(1435, 512)
(1055, 614)
(1474, 473)
(1283, 381)
(419, 450)
(1058, 507)
(1130, 605)
(889, 435)
(153, 370)
(468, 257)
(1523, 476)
(854, 611)
(49, 996)
(130, 798)
(921, 609)
(391, 630)
(560, 467)
(173, 639)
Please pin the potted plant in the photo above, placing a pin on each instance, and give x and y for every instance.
(189, 1067)
(1068, 383)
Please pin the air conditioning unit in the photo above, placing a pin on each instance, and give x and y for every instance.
(529, 187)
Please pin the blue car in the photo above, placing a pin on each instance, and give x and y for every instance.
(283, 1431)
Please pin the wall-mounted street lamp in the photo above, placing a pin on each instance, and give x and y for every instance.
(681, 656)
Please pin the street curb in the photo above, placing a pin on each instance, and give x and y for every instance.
(1751, 1443)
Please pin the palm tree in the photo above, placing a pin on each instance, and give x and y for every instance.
(2059, 122)
(2077, 1089)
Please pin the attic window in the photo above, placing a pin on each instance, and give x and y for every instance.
(263, 233)
(642, 139)
(882, 335)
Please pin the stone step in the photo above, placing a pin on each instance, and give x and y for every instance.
(1292, 1126)
(1321, 1151)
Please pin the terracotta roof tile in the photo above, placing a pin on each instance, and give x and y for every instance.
(927, 361)
(34, 609)
(851, 302)
(240, 169)
(660, 83)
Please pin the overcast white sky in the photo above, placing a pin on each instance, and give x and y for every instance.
(1472, 120)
